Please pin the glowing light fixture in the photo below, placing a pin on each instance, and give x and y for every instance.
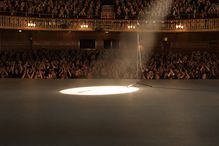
(84, 26)
(131, 26)
(99, 90)
(166, 39)
(31, 24)
(179, 26)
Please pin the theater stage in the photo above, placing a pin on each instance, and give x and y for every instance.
(171, 113)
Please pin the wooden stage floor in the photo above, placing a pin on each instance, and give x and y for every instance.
(171, 113)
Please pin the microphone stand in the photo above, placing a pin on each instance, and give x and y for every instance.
(139, 81)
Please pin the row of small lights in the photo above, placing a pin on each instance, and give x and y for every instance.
(82, 26)
(34, 25)
(31, 25)
(131, 26)
(179, 26)
(86, 26)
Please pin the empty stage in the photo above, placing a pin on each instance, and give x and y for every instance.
(171, 113)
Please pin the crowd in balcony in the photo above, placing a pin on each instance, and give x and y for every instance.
(52, 8)
(124, 9)
(73, 64)
(177, 9)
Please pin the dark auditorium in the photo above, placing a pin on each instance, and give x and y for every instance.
(109, 72)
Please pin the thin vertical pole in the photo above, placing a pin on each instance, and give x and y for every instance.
(137, 53)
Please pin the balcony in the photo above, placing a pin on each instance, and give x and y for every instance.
(29, 23)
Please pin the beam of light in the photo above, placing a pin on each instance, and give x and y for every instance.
(99, 90)
(147, 31)
(159, 10)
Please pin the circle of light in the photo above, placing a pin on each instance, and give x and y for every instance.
(99, 90)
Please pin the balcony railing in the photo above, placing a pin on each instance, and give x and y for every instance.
(29, 23)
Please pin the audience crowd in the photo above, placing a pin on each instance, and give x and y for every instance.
(124, 9)
(178, 65)
(65, 64)
(177, 9)
(53, 8)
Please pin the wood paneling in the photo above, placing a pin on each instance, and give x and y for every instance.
(13, 39)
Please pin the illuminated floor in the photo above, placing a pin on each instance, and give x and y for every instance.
(171, 113)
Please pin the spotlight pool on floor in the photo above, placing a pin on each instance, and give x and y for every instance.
(99, 90)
